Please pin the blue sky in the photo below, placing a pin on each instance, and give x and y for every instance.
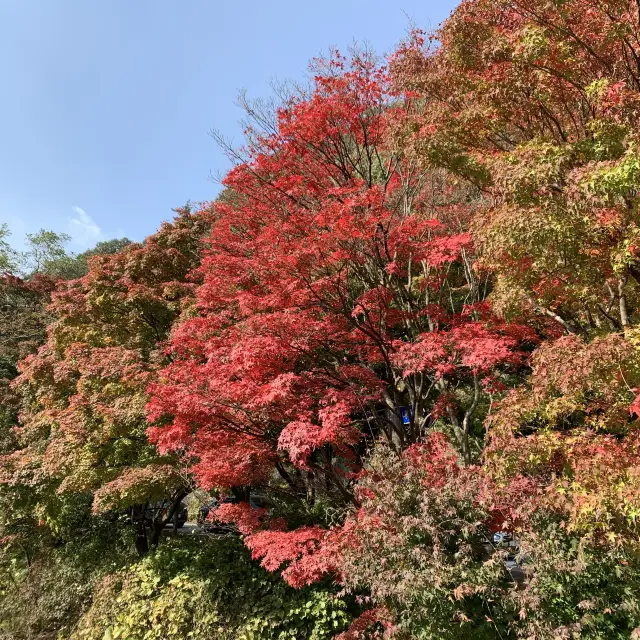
(107, 104)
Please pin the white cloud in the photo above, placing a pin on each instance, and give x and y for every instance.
(83, 229)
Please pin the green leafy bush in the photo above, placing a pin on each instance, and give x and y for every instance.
(194, 587)
(47, 576)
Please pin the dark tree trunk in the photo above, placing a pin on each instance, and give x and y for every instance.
(142, 544)
(160, 521)
(138, 519)
(156, 530)
(241, 493)
(175, 523)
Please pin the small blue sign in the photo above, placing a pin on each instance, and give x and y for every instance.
(405, 415)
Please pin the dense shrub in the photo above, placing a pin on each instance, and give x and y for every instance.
(47, 579)
(418, 544)
(192, 587)
(576, 589)
(421, 546)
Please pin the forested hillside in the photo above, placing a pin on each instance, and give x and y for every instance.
(398, 358)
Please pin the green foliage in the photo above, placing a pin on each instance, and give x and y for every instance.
(615, 180)
(7, 254)
(45, 252)
(194, 501)
(71, 267)
(207, 588)
(47, 577)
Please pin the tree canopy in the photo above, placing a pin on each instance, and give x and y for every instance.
(410, 323)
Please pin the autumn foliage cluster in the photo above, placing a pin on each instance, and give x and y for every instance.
(411, 320)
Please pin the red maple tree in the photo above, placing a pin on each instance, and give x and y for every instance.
(339, 303)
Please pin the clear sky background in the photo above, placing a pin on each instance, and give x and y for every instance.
(107, 105)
